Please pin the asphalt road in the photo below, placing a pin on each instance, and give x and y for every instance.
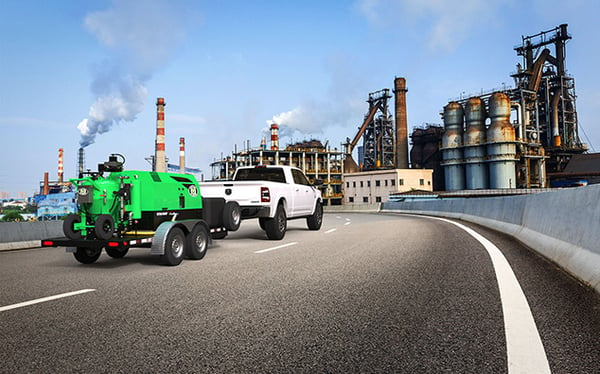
(367, 293)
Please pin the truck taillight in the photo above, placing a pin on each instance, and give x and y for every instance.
(48, 243)
(265, 196)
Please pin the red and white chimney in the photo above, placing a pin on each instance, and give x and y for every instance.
(182, 155)
(160, 160)
(60, 165)
(274, 137)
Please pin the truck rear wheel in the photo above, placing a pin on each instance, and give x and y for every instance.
(275, 227)
(87, 255)
(174, 247)
(197, 242)
(68, 226)
(232, 216)
(314, 222)
(104, 226)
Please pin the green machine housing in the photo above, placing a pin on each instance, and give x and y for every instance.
(126, 201)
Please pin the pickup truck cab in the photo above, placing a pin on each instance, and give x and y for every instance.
(273, 194)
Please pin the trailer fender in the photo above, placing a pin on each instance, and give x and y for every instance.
(160, 238)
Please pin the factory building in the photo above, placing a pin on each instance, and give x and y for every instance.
(316, 160)
(375, 186)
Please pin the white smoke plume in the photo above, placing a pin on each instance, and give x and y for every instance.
(137, 48)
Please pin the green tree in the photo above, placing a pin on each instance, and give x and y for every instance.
(12, 216)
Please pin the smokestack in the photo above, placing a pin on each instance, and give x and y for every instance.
(401, 124)
(46, 184)
(160, 161)
(80, 162)
(274, 137)
(182, 155)
(60, 165)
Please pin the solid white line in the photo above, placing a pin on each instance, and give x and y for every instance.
(44, 299)
(278, 247)
(525, 351)
(329, 231)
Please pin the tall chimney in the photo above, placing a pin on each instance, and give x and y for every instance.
(46, 184)
(160, 161)
(401, 124)
(81, 163)
(274, 137)
(60, 165)
(182, 155)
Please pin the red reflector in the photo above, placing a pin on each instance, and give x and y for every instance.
(48, 243)
(113, 244)
(265, 195)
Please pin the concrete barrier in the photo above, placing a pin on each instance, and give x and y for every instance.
(563, 225)
(18, 235)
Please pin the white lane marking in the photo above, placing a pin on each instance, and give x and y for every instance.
(524, 349)
(347, 223)
(338, 217)
(347, 219)
(330, 231)
(44, 299)
(274, 248)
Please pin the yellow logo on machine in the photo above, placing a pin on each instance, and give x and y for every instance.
(193, 190)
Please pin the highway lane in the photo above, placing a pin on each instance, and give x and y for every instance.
(366, 293)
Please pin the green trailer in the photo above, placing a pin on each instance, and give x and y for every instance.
(133, 208)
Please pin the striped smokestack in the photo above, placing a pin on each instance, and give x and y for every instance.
(401, 124)
(80, 162)
(274, 137)
(60, 165)
(160, 161)
(182, 155)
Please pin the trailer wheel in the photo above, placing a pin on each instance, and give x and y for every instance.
(68, 226)
(232, 216)
(314, 222)
(275, 227)
(87, 255)
(116, 253)
(104, 226)
(197, 242)
(174, 247)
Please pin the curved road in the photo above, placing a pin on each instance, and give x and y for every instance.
(366, 293)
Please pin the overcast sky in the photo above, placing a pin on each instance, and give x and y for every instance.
(88, 72)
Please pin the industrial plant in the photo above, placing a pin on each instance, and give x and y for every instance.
(500, 141)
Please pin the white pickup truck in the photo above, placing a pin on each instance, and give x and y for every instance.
(273, 194)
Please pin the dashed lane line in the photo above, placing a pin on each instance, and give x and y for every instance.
(274, 248)
(44, 299)
(329, 231)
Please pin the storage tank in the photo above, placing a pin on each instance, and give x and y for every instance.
(501, 146)
(476, 169)
(452, 151)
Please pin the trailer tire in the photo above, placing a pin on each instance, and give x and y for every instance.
(116, 253)
(316, 219)
(174, 247)
(232, 216)
(275, 227)
(104, 227)
(87, 255)
(197, 242)
(68, 226)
